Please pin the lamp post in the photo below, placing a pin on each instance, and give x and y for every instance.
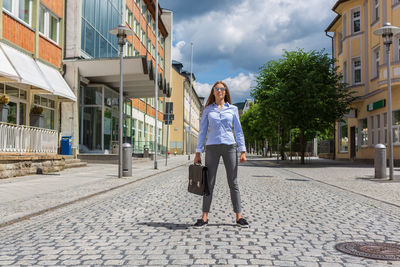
(156, 94)
(121, 32)
(387, 32)
(190, 101)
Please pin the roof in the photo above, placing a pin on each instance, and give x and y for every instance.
(333, 23)
(338, 3)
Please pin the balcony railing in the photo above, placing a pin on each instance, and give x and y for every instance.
(27, 139)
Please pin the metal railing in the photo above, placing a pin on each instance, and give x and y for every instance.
(27, 139)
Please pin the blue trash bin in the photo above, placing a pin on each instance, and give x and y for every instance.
(66, 145)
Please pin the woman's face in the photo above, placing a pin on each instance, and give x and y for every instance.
(219, 92)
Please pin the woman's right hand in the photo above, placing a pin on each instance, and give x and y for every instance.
(197, 158)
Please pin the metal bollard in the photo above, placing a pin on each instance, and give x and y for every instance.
(380, 161)
(126, 159)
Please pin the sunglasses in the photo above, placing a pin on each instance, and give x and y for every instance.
(219, 88)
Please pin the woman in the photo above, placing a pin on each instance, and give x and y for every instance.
(219, 116)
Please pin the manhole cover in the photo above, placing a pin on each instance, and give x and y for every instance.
(371, 250)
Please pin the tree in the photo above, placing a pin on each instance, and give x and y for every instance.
(302, 90)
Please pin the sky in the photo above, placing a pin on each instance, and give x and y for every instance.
(232, 39)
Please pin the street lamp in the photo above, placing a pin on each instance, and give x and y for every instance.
(121, 32)
(387, 32)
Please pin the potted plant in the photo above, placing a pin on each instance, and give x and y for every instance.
(36, 116)
(4, 107)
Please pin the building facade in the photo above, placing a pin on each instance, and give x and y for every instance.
(31, 52)
(92, 70)
(361, 58)
(179, 142)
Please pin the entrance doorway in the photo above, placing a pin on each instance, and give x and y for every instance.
(352, 143)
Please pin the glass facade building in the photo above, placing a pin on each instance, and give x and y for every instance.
(98, 17)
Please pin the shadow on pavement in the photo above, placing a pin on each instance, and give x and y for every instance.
(172, 226)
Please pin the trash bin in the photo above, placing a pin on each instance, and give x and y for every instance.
(380, 161)
(126, 159)
(145, 152)
(66, 145)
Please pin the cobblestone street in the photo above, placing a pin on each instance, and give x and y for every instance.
(294, 221)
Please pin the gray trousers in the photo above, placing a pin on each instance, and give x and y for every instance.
(229, 155)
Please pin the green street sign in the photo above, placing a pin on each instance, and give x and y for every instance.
(378, 104)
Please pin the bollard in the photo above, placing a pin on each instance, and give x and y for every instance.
(126, 159)
(380, 161)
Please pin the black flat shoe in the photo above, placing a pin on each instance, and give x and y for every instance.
(200, 223)
(242, 223)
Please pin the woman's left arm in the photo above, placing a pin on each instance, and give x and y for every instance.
(237, 127)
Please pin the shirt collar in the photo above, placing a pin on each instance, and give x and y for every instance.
(225, 105)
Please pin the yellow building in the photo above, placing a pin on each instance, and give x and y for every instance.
(179, 129)
(361, 57)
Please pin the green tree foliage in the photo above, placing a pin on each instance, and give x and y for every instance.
(303, 91)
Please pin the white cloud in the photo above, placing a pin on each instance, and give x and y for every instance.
(176, 51)
(239, 86)
(254, 31)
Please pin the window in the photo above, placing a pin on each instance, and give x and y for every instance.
(356, 21)
(22, 9)
(129, 18)
(144, 8)
(385, 125)
(48, 106)
(395, 2)
(375, 10)
(356, 71)
(343, 137)
(378, 127)
(376, 60)
(345, 72)
(398, 48)
(371, 123)
(137, 27)
(363, 125)
(48, 24)
(396, 127)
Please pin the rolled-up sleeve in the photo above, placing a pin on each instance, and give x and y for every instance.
(203, 131)
(237, 127)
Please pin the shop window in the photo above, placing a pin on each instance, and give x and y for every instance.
(396, 127)
(379, 129)
(48, 106)
(363, 125)
(49, 24)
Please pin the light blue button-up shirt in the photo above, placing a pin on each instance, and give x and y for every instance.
(217, 126)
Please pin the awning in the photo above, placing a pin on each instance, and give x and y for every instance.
(24, 69)
(56, 81)
(7, 71)
(138, 74)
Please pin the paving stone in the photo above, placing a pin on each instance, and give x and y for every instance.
(148, 223)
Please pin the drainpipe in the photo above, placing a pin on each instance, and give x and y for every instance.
(334, 124)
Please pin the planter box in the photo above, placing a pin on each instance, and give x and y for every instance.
(37, 120)
(4, 112)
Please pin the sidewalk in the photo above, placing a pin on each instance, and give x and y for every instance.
(23, 196)
(356, 177)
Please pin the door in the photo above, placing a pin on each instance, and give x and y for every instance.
(352, 142)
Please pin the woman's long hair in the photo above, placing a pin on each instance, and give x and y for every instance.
(211, 97)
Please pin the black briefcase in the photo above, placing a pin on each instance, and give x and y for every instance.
(198, 180)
